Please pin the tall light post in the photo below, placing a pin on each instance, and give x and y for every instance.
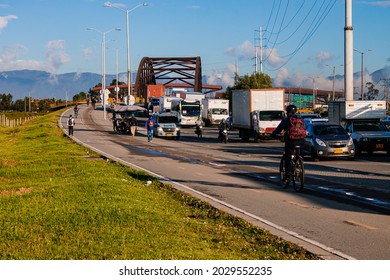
(104, 64)
(109, 4)
(314, 91)
(362, 72)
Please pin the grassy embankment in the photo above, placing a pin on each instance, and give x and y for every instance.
(59, 200)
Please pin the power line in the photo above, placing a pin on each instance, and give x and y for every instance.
(320, 14)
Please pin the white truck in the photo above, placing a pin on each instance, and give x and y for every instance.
(362, 120)
(214, 110)
(257, 112)
(165, 103)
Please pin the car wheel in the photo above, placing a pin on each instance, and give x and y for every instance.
(257, 138)
(358, 151)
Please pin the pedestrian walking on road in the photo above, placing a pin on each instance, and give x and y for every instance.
(71, 124)
(133, 125)
(149, 128)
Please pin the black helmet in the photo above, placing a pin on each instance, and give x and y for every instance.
(291, 109)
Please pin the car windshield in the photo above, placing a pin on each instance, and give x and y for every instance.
(168, 119)
(368, 126)
(218, 111)
(271, 116)
(322, 130)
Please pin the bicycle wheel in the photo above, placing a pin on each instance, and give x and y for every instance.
(299, 175)
(282, 173)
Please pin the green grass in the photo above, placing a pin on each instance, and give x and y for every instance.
(59, 200)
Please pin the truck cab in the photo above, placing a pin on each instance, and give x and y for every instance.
(265, 122)
(369, 135)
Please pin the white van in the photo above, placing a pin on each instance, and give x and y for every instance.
(166, 125)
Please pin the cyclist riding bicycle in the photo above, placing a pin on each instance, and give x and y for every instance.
(76, 110)
(290, 141)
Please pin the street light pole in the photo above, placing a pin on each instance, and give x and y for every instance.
(362, 73)
(104, 65)
(109, 4)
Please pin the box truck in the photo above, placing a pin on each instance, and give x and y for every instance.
(214, 110)
(257, 112)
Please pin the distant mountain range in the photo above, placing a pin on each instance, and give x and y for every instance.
(40, 84)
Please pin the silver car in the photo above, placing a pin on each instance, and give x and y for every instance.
(166, 125)
(325, 140)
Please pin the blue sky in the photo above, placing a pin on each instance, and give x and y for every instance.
(302, 40)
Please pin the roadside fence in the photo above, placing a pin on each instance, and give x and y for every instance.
(5, 122)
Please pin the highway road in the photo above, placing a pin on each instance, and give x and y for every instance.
(343, 212)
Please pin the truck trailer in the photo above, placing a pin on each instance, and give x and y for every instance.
(257, 112)
(362, 120)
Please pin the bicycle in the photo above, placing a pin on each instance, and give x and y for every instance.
(297, 171)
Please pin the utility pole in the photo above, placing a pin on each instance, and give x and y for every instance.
(385, 94)
(261, 50)
(260, 46)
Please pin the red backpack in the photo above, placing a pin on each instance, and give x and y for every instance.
(297, 130)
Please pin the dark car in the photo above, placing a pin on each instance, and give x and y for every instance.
(387, 124)
(369, 135)
(327, 140)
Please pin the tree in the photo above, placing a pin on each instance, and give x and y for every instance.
(372, 92)
(80, 96)
(5, 101)
(254, 81)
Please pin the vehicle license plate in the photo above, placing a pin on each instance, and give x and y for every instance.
(338, 151)
(379, 146)
(169, 134)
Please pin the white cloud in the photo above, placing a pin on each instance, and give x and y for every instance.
(323, 58)
(87, 53)
(380, 3)
(55, 58)
(224, 78)
(243, 52)
(9, 59)
(4, 20)
(55, 55)
(272, 58)
(284, 79)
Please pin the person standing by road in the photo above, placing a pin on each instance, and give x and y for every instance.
(71, 124)
(149, 128)
(133, 125)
